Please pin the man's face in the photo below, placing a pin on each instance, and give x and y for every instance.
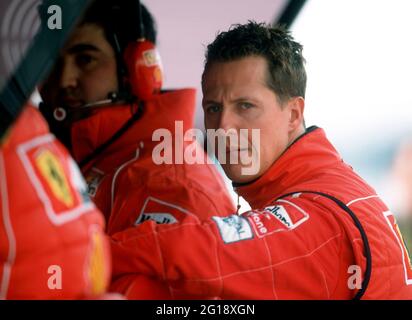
(235, 96)
(86, 71)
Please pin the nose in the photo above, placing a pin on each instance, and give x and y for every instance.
(227, 122)
(226, 119)
(69, 75)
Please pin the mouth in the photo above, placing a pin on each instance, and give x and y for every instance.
(71, 102)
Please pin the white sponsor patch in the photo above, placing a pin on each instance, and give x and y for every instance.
(162, 218)
(93, 179)
(276, 218)
(281, 214)
(233, 228)
(161, 211)
(151, 57)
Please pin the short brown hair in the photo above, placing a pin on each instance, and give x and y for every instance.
(286, 70)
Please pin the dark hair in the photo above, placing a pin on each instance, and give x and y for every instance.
(286, 74)
(120, 16)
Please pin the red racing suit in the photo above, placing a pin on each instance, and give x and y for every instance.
(129, 187)
(52, 243)
(301, 246)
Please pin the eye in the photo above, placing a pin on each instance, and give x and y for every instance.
(245, 105)
(213, 109)
(84, 60)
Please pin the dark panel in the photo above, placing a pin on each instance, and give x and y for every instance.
(290, 13)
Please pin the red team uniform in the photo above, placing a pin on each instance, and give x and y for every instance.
(52, 243)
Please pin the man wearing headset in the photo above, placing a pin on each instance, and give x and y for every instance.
(317, 231)
(93, 102)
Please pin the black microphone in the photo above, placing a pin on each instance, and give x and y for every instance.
(60, 114)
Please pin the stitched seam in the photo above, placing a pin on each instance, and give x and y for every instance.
(159, 251)
(124, 165)
(272, 272)
(361, 199)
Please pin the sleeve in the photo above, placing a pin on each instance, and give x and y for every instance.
(52, 240)
(287, 250)
(163, 205)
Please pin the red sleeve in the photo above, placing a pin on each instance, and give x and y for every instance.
(52, 240)
(289, 250)
(178, 205)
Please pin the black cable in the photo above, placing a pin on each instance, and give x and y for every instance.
(140, 26)
(358, 225)
(119, 133)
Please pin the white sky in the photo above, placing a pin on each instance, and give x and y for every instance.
(359, 64)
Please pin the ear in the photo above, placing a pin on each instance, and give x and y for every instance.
(296, 106)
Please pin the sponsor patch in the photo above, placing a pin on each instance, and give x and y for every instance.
(161, 218)
(233, 228)
(276, 218)
(56, 179)
(53, 176)
(93, 179)
(161, 212)
(282, 215)
(151, 58)
(97, 271)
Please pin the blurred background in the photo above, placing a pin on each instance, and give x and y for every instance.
(359, 63)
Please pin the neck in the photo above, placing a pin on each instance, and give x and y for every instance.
(296, 134)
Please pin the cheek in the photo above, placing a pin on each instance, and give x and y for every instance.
(211, 122)
(97, 84)
(273, 142)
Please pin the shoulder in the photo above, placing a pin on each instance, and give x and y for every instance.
(199, 190)
(302, 211)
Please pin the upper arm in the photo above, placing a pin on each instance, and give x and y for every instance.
(163, 200)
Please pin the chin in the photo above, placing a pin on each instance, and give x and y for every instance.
(236, 173)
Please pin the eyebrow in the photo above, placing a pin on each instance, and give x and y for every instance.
(82, 47)
(240, 99)
(209, 102)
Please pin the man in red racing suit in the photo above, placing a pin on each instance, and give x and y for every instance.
(316, 231)
(52, 243)
(302, 246)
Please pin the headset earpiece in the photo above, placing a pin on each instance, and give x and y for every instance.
(144, 69)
